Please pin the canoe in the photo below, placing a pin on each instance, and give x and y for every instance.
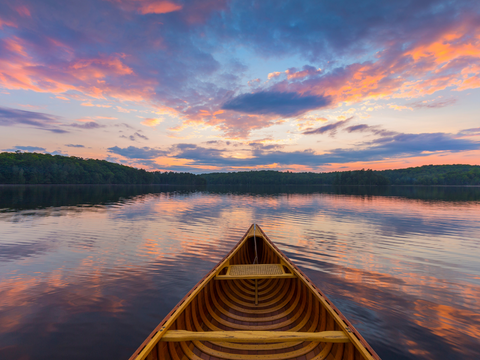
(255, 304)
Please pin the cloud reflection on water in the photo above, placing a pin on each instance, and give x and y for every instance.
(402, 268)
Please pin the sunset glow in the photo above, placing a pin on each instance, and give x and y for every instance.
(206, 86)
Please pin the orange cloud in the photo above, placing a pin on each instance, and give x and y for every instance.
(152, 122)
(274, 74)
(159, 7)
(19, 70)
(450, 60)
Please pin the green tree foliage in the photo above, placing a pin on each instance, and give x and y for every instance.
(424, 175)
(360, 177)
(435, 175)
(268, 177)
(34, 168)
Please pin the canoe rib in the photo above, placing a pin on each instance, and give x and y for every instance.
(221, 320)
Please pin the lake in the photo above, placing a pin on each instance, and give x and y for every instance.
(87, 272)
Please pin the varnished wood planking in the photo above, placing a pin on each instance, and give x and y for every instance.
(284, 305)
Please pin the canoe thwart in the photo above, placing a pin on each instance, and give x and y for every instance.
(255, 336)
(254, 271)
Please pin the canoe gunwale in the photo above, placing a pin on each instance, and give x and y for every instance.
(355, 338)
(350, 329)
(185, 298)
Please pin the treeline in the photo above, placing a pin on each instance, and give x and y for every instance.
(423, 175)
(271, 177)
(360, 177)
(35, 168)
(434, 175)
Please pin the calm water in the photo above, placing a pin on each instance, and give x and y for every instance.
(86, 272)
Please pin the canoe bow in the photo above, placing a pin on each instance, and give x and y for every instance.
(255, 304)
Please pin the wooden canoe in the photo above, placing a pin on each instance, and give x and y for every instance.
(255, 304)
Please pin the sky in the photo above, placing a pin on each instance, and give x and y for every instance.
(216, 85)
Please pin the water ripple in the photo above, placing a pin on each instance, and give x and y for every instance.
(96, 269)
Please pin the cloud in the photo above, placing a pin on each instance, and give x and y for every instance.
(438, 103)
(74, 146)
(470, 132)
(27, 148)
(14, 117)
(159, 7)
(254, 82)
(275, 103)
(308, 70)
(273, 75)
(133, 152)
(397, 146)
(58, 152)
(152, 122)
(330, 128)
(106, 117)
(403, 145)
(378, 50)
(87, 125)
(377, 130)
(135, 136)
(141, 136)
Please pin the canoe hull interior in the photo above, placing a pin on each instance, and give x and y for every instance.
(274, 302)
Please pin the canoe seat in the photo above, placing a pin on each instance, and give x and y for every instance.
(254, 271)
(255, 336)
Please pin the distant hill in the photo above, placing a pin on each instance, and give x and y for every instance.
(423, 175)
(34, 168)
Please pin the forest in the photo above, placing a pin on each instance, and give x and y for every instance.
(434, 175)
(271, 177)
(422, 175)
(35, 168)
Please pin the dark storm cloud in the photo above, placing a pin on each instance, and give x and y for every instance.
(275, 103)
(133, 152)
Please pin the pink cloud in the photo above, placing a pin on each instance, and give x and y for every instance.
(159, 7)
(307, 71)
(274, 74)
(450, 60)
(23, 11)
(96, 77)
(6, 23)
